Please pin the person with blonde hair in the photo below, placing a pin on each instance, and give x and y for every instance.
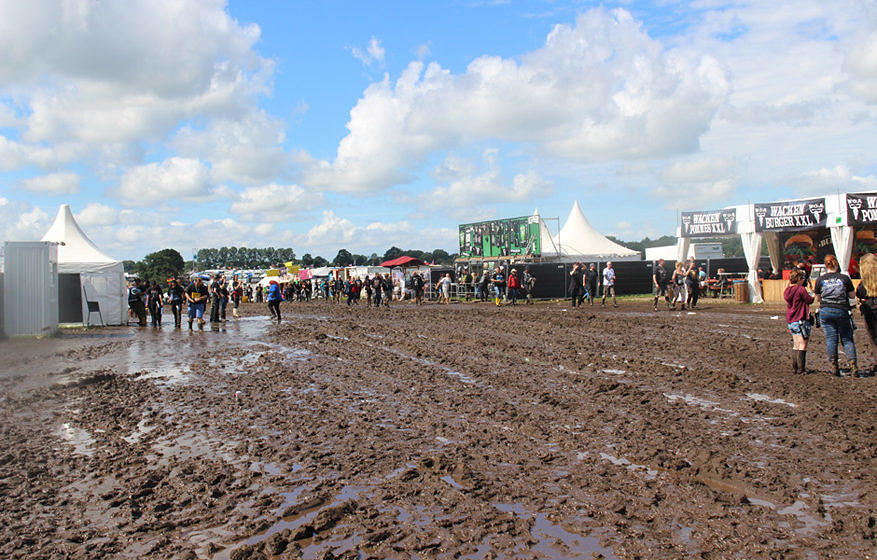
(798, 300)
(866, 294)
(834, 291)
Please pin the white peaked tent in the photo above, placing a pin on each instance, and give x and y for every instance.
(578, 240)
(101, 278)
(546, 241)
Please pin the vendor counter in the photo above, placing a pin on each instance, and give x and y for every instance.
(772, 290)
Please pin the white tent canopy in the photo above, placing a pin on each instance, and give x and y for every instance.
(102, 278)
(546, 241)
(579, 240)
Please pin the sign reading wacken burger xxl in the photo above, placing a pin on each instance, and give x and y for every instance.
(797, 215)
(709, 223)
(861, 209)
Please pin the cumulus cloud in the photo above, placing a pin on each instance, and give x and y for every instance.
(275, 203)
(599, 89)
(20, 221)
(698, 170)
(113, 74)
(841, 177)
(861, 66)
(97, 214)
(372, 53)
(173, 179)
(334, 232)
(464, 189)
(53, 184)
(245, 150)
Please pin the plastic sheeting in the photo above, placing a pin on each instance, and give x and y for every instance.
(773, 250)
(752, 251)
(842, 238)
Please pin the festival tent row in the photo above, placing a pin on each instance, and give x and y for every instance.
(793, 230)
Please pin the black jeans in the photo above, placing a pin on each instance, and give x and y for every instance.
(578, 294)
(214, 311)
(693, 294)
(177, 310)
(274, 308)
(139, 310)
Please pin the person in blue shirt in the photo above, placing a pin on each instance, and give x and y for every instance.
(274, 298)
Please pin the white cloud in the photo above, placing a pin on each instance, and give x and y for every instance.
(117, 73)
(373, 52)
(424, 50)
(861, 65)
(841, 177)
(275, 203)
(465, 190)
(698, 170)
(97, 214)
(20, 221)
(245, 150)
(53, 184)
(334, 233)
(696, 195)
(600, 89)
(173, 179)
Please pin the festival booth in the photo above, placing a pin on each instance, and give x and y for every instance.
(794, 231)
(91, 285)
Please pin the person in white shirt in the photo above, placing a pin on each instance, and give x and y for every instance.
(609, 284)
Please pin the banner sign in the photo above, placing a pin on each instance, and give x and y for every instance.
(292, 268)
(709, 223)
(861, 209)
(797, 215)
(501, 238)
(305, 274)
(272, 272)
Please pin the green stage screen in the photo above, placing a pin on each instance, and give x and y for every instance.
(501, 238)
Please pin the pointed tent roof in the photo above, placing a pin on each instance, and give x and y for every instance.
(77, 247)
(546, 241)
(578, 238)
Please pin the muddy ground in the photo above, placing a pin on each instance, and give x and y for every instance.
(437, 432)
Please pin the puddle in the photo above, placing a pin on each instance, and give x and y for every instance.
(700, 402)
(549, 537)
(615, 371)
(141, 430)
(450, 480)
(798, 509)
(81, 440)
(651, 474)
(765, 398)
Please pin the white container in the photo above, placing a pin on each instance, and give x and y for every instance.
(30, 288)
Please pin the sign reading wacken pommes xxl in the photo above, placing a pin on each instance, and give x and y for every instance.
(861, 209)
(709, 223)
(796, 215)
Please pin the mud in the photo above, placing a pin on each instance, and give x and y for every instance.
(436, 432)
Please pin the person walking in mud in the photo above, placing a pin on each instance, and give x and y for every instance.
(591, 280)
(866, 294)
(498, 283)
(444, 287)
(155, 303)
(274, 299)
(214, 299)
(660, 279)
(678, 281)
(483, 284)
(387, 286)
(237, 294)
(691, 284)
(834, 291)
(135, 302)
(224, 296)
(196, 297)
(798, 300)
(529, 284)
(609, 284)
(577, 284)
(417, 285)
(175, 294)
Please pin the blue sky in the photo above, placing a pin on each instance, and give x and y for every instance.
(328, 125)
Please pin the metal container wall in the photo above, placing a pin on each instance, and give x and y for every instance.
(30, 288)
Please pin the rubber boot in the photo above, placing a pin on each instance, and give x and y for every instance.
(803, 361)
(835, 371)
(796, 362)
(234, 312)
(854, 368)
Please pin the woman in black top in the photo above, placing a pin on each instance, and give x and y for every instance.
(866, 294)
(155, 303)
(833, 293)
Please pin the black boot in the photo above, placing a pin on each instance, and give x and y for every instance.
(796, 362)
(802, 361)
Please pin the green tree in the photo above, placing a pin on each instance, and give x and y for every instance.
(307, 260)
(360, 260)
(343, 258)
(320, 261)
(129, 266)
(161, 265)
(393, 253)
(440, 256)
(374, 260)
